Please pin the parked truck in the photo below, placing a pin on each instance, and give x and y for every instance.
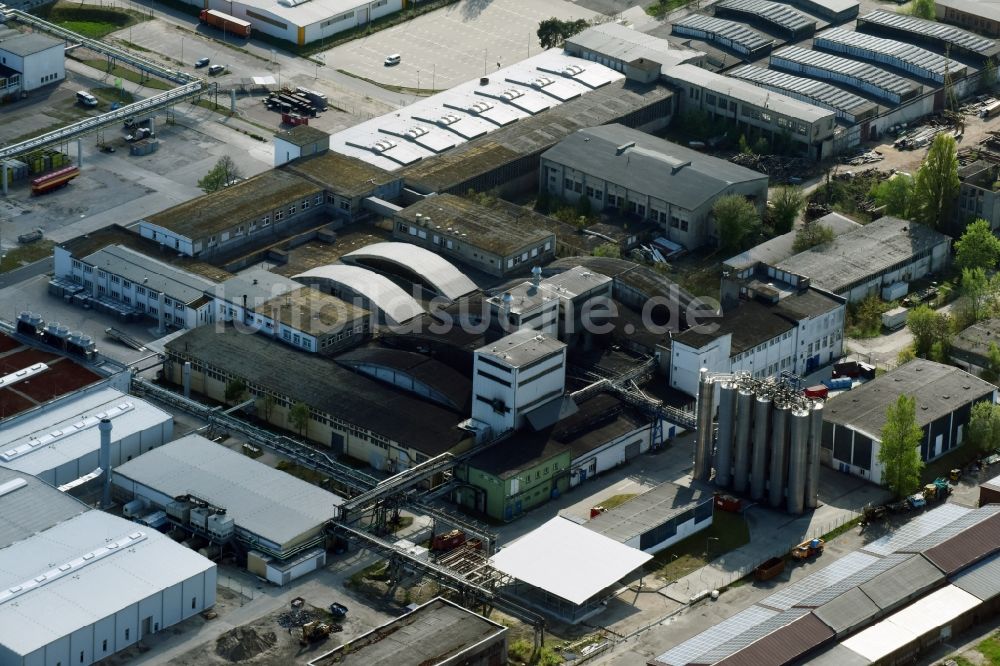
(230, 24)
(808, 549)
(894, 319)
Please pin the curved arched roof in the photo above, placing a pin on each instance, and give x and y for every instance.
(438, 273)
(381, 292)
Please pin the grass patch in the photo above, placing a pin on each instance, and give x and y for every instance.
(112, 95)
(961, 661)
(661, 8)
(617, 500)
(727, 532)
(378, 571)
(212, 106)
(387, 86)
(846, 527)
(520, 652)
(304, 473)
(990, 649)
(125, 73)
(402, 523)
(90, 21)
(26, 254)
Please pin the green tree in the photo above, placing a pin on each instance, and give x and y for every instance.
(988, 75)
(735, 219)
(552, 32)
(899, 452)
(991, 372)
(923, 9)
(979, 292)
(267, 405)
(810, 235)
(235, 390)
(928, 328)
(608, 250)
(298, 417)
(978, 247)
(786, 204)
(895, 193)
(984, 427)
(936, 185)
(223, 173)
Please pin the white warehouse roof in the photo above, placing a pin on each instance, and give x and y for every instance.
(441, 276)
(43, 439)
(262, 500)
(70, 577)
(568, 560)
(381, 292)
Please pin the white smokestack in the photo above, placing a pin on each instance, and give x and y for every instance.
(105, 459)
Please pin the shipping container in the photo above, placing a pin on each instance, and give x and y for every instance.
(769, 569)
(817, 392)
(895, 291)
(839, 384)
(222, 21)
(894, 319)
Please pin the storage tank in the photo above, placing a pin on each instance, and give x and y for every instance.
(703, 438)
(812, 463)
(798, 454)
(761, 443)
(779, 455)
(724, 440)
(741, 442)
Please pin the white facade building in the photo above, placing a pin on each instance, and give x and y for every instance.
(39, 59)
(59, 442)
(798, 334)
(514, 375)
(656, 519)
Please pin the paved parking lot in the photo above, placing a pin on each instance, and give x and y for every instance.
(452, 45)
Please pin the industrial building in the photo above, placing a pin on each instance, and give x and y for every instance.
(834, 11)
(989, 491)
(657, 518)
(755, 110)
(565, 569)
(970, 347)
(80, 585)
(853, 421)
(59, 443)
(416, 265)
(779, 18)
(980, 16)
(497, 240)
(376, 293)
(347, 410)
(348, 183)
(764, 335)
(640, 57)
(779, 248)
(732, 35)
(437, 633)
(862, 76)
(942, 38)
(978, 197)
(884, 604)
(901, 55)
(622, 169)
(300, 141)
(224, 495)
(849, 107)
(37, 59)
(856, 264)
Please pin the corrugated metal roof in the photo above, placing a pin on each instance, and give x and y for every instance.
(981, 580)
(860, 73)
(750, 636)
(626, 44)
(775, 13)
(945, 532)
(783, 646)
(838, 655)
(894, 51)
(721, 30)
(967, 547)
(848, 611)
(831, 574)
(863, 576)
(934, 30)
(34, 507)
(647, 511)
(903, 582)
(800, 87)
(715, 636)
(917, 528)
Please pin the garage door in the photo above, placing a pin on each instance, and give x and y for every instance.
(632, 450)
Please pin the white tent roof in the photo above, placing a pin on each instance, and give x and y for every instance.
(439, 274)
(568, 560)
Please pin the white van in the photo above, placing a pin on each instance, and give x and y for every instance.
(85, 98)
(393, 60)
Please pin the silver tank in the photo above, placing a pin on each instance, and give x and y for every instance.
(798, 454)
(724, 441)
(703, 438)
(741, 442)
(758, 465)
(812, 465)
(779, 455)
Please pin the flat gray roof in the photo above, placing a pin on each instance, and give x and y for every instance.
(779, 248)
(522, 347)
(864, 252)
(259, 286)
(848, 611)
(646, 511)
(617, 41)
(150, 273)
(26, 44)
(430, 634)
(938, 390)
(650, 165)
(981, 580)
(974, 341)
(31, 506)
(904, 581)
(262, 500)
(718, 29)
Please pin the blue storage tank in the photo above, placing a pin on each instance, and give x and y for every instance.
(839, 384)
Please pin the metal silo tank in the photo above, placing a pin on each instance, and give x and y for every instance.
(761, 443)
(798, 454)
(741, 442)
(724, 440)
(812, 462)
(779, 455)
(703, 438)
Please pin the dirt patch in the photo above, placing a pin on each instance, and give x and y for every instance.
(23, 359)
(7, 343)
(62, 377)
(244, 643)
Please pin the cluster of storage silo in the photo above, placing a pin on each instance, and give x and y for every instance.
(767, 444)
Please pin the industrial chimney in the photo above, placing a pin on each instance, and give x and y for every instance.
(105, 459)
(186, 374)
(536, 276)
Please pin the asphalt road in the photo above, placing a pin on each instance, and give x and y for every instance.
(23, 273)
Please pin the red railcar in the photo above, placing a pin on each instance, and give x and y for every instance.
(54, 180)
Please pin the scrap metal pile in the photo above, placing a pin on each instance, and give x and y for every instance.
(778, 169)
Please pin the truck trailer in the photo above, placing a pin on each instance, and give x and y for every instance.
(225, 22)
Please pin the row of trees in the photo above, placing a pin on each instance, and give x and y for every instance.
(927, 197)
(298, 413)
(737, 220)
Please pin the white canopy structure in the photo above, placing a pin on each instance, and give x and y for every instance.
(380, 292)
(436, 273)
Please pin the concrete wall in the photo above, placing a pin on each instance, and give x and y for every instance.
(684, 530)
(616, 452)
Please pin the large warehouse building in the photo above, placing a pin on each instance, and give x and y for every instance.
(231, 496)
(80, 585)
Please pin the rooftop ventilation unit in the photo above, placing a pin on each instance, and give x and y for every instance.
(541, 82)
(511, 94)
(21, 375)
(382, 145)
(448, 119)
(415, 132)
(480, 107)
(29, 323)
(625, 146)
(572, 70)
